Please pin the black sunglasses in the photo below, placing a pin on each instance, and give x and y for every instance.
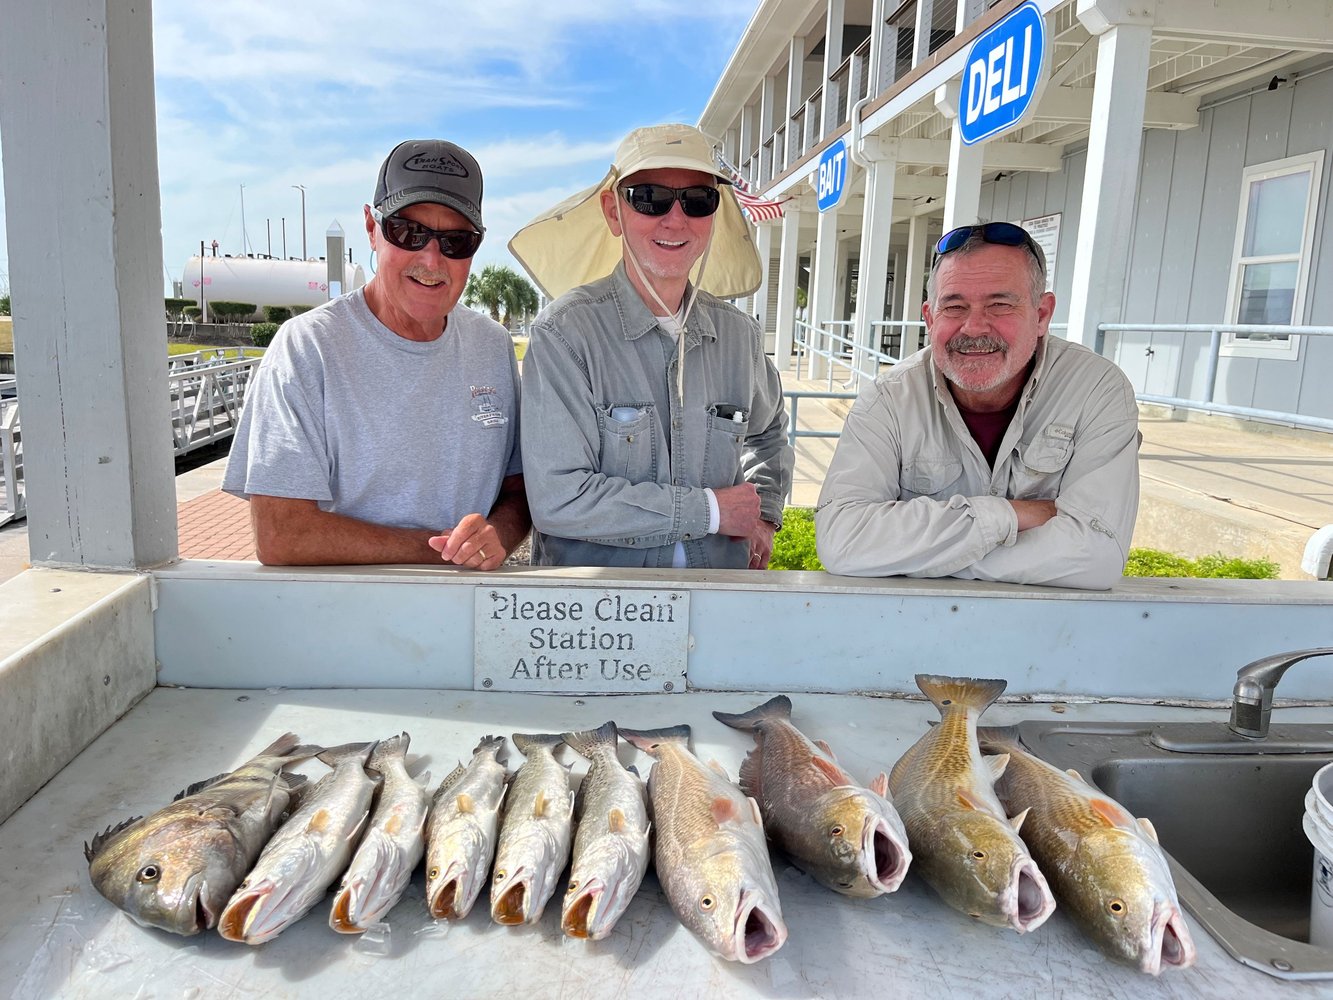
(698, 201)
(1004, 233)
(405, 234)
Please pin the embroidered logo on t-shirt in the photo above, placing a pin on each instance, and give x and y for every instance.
(489, 412)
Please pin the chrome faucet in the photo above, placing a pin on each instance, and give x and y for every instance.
(1252, 697)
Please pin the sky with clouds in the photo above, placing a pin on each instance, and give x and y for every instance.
(269, 95)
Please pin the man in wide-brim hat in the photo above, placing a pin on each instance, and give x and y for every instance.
(653, 426)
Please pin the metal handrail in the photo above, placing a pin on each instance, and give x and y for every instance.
(796, 395)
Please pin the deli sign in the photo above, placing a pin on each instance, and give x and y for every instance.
(1001, 75)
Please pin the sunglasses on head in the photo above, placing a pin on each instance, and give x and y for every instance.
(405, 234)
(698, 201)
(1004, 233)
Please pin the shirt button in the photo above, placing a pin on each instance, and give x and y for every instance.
(675, 424)
(994, 491)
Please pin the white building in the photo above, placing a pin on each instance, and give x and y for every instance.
(1174, 159)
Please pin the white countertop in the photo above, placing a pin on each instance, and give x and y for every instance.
(58, 937)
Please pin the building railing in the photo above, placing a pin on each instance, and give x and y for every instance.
(794, 398)
(1215, 333)
(12, 503)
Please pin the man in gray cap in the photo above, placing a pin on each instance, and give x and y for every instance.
(383, 427)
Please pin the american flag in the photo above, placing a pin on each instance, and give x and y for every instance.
(756, 209)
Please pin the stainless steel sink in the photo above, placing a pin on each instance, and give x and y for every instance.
(1228, 812)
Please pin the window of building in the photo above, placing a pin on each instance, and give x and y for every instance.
(1274, 244)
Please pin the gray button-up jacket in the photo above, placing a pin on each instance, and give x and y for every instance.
(615, 466)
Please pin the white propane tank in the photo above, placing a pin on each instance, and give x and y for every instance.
(265, 281)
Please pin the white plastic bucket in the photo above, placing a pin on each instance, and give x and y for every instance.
(1318, 825)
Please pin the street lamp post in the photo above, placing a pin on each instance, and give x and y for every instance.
(301, 188)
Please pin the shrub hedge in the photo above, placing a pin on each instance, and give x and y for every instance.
(261, 334)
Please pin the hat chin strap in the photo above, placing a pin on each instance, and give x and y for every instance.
(689, 301)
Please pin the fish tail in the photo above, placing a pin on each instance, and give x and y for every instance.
(526, 742)
(333, 755)
(998, 739)
(282, 746)
(969, 692)
(588, 741)
(387, 750)
(490, 744)
(649, 740)
(778, 707)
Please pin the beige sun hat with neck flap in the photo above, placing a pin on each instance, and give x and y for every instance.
(570, 244)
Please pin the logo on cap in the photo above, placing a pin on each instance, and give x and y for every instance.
(445, 163)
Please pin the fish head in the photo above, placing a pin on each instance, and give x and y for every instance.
(175, 875)
(456, 871)
(732, 906)
(601, 885)
(862, 842)
(984, 869)
(1128, 903)
(523, 878)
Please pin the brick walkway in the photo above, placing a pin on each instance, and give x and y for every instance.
(215, 525)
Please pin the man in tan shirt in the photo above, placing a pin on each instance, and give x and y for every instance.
(997, 453)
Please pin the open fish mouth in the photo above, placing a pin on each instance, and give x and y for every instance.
(758, 934)
(450, 900)
(1171, 945)
(581, 911)
(1032, 899)
(885, 858)
(255, 916)
(512, 905)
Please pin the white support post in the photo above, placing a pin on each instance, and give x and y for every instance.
(876, 226)
(76, 93)
(962, 193)
(1110, 182)
(833, 23)
(763, 242)
(913, 278)
(824, 282)
(921, 35)
(788, 266)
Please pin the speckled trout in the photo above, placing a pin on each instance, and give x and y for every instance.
(460, 834)
(963, 843)
(307, 853)
(391, 847)
(534, 834)
(611, 847)
(1105, 866)
(845, 835)
(711, 855)
(176, 869)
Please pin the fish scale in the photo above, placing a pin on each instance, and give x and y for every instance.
(535, 833)
(461, 831)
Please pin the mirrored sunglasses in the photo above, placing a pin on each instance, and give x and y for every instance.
(698, 201)
(406, 234)
(1004, 233)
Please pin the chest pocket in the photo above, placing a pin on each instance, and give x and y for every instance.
(1040, 464)
(726, 426)
(629, 441)
(930, 477)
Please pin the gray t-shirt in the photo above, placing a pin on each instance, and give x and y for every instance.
(383, 429)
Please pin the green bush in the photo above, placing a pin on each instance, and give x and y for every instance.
(1151, 562)
(794, 545)
(232, 312)
(4, 305)
(192, 312)
(297, 310)
(277, 314)
(175, 305)
(261, 334)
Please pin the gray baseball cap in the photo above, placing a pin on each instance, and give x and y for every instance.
(430, 170)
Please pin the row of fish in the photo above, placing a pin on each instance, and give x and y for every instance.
(227, 852)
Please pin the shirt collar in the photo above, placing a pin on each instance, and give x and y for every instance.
(638, 320)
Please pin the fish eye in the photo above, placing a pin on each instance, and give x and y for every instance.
(946, 701)
(434, 873)
(1116, 907)
(500, 874)
(979, 855)
(707, 903)
(149, 873)
(837, 830)
(845, 885)
(573, 886)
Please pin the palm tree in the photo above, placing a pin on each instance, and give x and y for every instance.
(500, 289)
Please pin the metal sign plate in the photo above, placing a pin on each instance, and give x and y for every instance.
(580, 640)
(831, 183)
(1001, 75)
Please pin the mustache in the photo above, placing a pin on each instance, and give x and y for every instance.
(421, 272)
(959, 344)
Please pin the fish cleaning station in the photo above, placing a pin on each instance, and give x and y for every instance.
(128, 674)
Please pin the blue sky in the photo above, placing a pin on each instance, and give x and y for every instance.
(275, 94)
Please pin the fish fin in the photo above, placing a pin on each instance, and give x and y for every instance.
(649, 740)
(998, 739)
(587, 741)
(827, 749)
(199, 786)
(880, 786)
(333, 755)
(777, 707)
(491, 745)
(1112, 813)
(754, 810)
(616, 821)
(319, 822)
(997, 763)
(355, 835)
(723, 810)
(718, 769)
(525, 743)
(281, 747)
(1017, 821)
(423, 779)
(969, 692)
(99, 839)
(751, 776)
(1074, 774)
(831, 771)
(1148, 828)
(450, 779)
(387, 750)
(540, 804)
(968, 800)
(465, 803)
